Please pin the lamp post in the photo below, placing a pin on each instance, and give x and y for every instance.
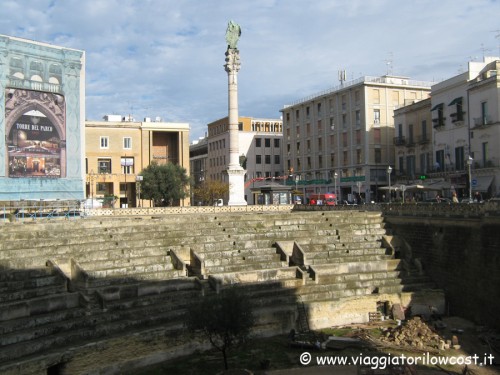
(335, 175)
(469, 165)
(139, 179)
(92, 177)
(389, 170)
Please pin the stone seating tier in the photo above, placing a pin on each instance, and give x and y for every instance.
(123, 275)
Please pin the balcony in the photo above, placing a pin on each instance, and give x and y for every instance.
(410, 142)
(457, 117)
(438, 123)
(399, 141)
(482, 121)
(423, 139)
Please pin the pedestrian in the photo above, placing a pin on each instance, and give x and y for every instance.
(455, 199)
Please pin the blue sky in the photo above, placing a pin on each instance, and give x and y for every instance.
(165, 57)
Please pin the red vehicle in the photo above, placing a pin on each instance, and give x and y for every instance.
(327, 199)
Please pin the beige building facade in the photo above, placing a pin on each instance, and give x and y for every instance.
(118, 150)
(260, 149)
(342, 140)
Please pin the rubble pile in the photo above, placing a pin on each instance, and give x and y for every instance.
(414, 333)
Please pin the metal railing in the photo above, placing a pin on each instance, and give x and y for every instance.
(41, 210)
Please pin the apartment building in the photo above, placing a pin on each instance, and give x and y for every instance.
(463, 111)
(413, 141)
(118, 149)
(260, 148)
(342, 139)
(198, 159)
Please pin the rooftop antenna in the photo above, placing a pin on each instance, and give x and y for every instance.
(497, 36)
(389, 62)
(484, 49)
(342, 77)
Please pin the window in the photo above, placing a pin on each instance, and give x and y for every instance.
(267, 142)
(484, 113)
(376, 116)
(459, 158)
(439, 160)
(277, 159)
(358, 137)
(484, 147)
(376, 96)
(410, 166)
(276, 142)
(424, 130)
(104, 165)
(127, 165)
(104, 142)
(127, 143)
(358, 118)
(258, 142)
(378, 155)
(359, 158)
(307, 112)
(258, 159)
(376, 135)
(268, 159)
(319, 109)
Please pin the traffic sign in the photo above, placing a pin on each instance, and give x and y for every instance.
(474, 182)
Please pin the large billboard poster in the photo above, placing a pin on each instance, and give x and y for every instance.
(36, 134)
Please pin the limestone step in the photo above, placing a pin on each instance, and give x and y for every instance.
(242, 267)
(139, 289)
(346, 258)
(30, 324)
(38, 305)
(136, 263)
(27, 293)
(126, 275)
(241, 260)
(254, 276)
(173, 301)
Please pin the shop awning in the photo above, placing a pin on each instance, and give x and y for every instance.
(456, 101)
(437, 106)
(482, 183)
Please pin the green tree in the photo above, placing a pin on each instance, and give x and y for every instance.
(164, 183)
(210, 190)
(224, 319)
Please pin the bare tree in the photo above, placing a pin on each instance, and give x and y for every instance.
(224, 319)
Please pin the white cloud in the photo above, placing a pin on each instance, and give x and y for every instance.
(165, 58)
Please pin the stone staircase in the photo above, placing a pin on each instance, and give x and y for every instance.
(67, 283)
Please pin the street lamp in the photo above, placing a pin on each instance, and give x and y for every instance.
(469, 164)
(139, 179)
(335, 175)
(92, 178)
(389, 170)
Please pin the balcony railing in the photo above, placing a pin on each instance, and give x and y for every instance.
(438, 122)
(399, 141)
(423, 139)
(483, 121)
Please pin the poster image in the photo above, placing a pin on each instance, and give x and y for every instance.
(35, 134)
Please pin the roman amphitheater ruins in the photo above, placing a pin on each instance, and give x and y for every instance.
(103, 293)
